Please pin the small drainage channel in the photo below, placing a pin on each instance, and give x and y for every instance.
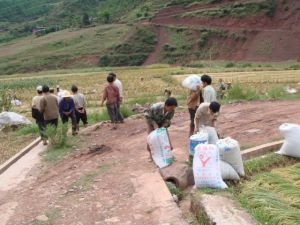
(212, 206)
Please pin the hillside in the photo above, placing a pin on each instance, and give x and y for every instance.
(87, 33)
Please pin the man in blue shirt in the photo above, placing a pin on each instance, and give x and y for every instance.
(67, 110)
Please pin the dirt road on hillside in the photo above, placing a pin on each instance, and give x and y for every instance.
(107, 188)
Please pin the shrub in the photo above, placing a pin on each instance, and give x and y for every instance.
(295, 67)
(5, 100)
(126, 112)
(98, 116)
(236, 92)
(230, 65)
(276, 93)
(57, 135)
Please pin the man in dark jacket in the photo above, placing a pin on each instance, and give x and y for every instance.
(67, 110)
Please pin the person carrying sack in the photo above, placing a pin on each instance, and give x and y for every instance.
(160, 115)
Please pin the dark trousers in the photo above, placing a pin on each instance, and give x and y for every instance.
(81, 116)
(120, 116)
(42, 127)
(53, 122)
(114, 112)
(192, 118)
(65, 119)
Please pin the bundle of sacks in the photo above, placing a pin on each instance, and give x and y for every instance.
(215, 160)
(159, 143)
(192, 82)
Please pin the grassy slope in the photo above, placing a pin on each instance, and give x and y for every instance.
(76, 48)
(53, 50)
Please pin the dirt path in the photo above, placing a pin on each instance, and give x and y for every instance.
(117, 186)
(162, 39)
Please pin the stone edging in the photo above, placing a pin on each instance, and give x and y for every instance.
(261, 150)
(19, 155)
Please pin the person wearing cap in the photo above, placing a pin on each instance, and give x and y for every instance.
(111, 96)
(37, 114)
(80, 107)
(67, 110)
(60, 93)
(49, 107)
(207, 114)
(209, 93)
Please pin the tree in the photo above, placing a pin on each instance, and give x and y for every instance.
(86, 20)
(106, 17)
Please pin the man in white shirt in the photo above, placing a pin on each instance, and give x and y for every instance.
(209, 93)
(80, 107)
(119, 85)
(207, 114)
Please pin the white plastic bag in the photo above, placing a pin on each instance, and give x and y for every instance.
(230, 152)
(12, 119)
(160, 147)
(212, 134)
(206, 167)
(196, 139)
(227, 172)
(191, 82)
(291, 145)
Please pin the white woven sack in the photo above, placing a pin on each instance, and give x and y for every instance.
(291, 145)
(230, 152)
(212, 134)
(206, 167)
(191, 82)
(227, 172)
(160, 147)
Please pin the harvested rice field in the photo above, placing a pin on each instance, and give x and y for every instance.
(273, 197)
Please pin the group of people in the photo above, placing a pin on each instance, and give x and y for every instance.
(48, 106)
(202, 105)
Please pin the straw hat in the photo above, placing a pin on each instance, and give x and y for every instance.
(67, 94)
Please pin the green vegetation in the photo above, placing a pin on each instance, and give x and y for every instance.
(52, 214)
(239, 93)
(238, 10)
(97, 117)
(273, 198)
(63, 49)
(174, 190)
(5, 100)
(60, 143)
(179, 46)
(20, 18)
(31, 129)
(266, 163)
(206, 34)
(26, 83)
(132, 52)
